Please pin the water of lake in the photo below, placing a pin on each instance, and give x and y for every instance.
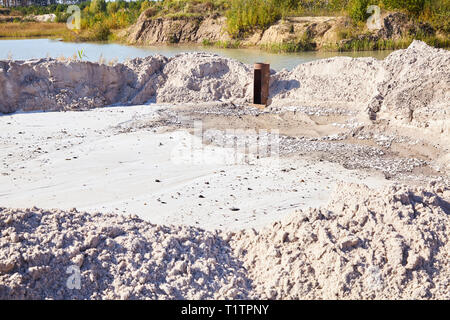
(41, 48)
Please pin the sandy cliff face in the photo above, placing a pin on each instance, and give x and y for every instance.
(148, 30)
(188, 30)
(48, 84)
(313, 32)
(319, 30)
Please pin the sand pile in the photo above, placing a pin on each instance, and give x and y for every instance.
(365, 245)
(119, 258)
(411, 85)
(202, 77)
(416, 87)
(389, 244)
(49, 84)
(341, 81)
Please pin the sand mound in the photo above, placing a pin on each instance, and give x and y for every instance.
(201, 77)
(410, 85)
(364, 245)
(340, 81)
(119, 258)
(416, 87)
(48, 84)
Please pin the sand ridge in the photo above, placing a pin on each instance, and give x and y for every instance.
(374, 134)
(389, 244)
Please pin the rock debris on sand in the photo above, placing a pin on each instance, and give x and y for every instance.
(365, 244)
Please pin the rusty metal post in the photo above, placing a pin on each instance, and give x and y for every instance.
(261, 83)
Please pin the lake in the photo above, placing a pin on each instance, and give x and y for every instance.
(40, 48)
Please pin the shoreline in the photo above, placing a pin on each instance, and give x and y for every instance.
(351, 45)
(212, 45)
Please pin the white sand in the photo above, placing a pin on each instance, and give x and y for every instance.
(365, 244)
(390, 244)
(109, 171)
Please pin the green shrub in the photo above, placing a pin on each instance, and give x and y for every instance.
(344, 33)
(150, 12)
(228, 44)
(437, 13)
(145, 5)
(247, 15)
(207, 43)
(97, 6)
(99, 32)
(61, 16)
(358, 10)
(112, 7)
(414, 7)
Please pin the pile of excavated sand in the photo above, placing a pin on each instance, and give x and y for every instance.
(392, 244)
(410, 85)
(364, 245)
(202, 77)
(49, 84)
(416, 87)
(341, 81)
(119, 258)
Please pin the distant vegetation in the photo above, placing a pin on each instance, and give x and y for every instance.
(100, 19)
(32, 30)
(247, 15)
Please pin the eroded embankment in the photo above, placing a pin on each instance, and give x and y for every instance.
(364, 245)
(48, 84)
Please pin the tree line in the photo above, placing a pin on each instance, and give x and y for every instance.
(26, 3)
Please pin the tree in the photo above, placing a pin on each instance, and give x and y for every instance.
(97, 6)
(112, 7)
(358, 10)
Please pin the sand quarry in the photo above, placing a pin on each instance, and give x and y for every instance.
(141, 180)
